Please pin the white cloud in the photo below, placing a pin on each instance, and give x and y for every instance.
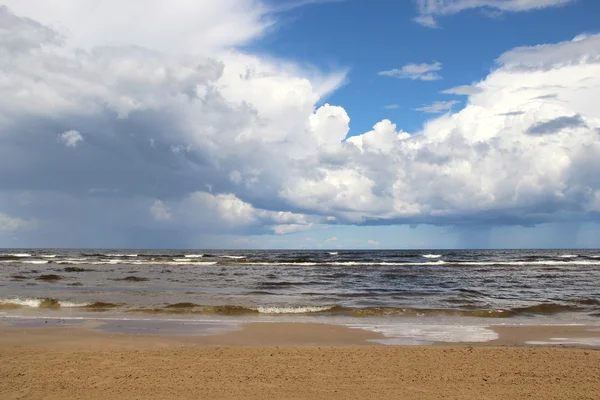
(179, 26)
(392, 107)
(464, 90)
(71, 138)
(251, 129)
(424, 72)
(12, 224)
(438, 107)
(227, 212)
(371, 242)
(160, 211)
(512, 154)
(430, 9)
(331, 239)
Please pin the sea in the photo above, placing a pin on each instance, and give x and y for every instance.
(410, 296)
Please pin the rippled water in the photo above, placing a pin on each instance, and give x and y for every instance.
(499, 284)
(411, 297)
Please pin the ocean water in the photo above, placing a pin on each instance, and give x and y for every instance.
(389, 291)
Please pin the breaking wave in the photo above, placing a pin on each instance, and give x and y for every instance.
(432, 255)
(52, 303)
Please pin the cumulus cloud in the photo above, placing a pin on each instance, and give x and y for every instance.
(423, 72)
(12, 224)
(259, 151)
(438, 107)
(228, 213)
(428, 10)
(71, 138)
(516, 158)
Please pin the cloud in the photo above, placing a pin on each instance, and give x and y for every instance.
(373, 242)
(11, 224)
(331, 239)
(185, 26)
(392, 107)
(423, 72)
(261, 152)
(428, 10)
(438, 107)
(556, 125)
(465, 90)
(506, 175)
(160, 211)
(71, 138)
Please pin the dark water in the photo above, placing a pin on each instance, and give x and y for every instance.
(468, 283)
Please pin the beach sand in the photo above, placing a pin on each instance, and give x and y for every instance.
(290, 361)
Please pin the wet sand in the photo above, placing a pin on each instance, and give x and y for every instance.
(291, 361)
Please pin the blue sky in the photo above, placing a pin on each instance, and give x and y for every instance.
(368, 38)
(300, 124)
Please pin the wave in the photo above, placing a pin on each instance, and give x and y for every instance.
(294, 310)
(76, 269)
(131, 278)
(333, 253)
(569, 256)
(233, 257)
(365, 312)
(431, 255)
(52, 303)
(191, 308)
(49, 277)
(194, 255)
(576, 305)
(180, 261)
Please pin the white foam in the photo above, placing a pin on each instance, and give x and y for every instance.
(48, 255)
(568, 341)
(333, 253)
(70, 304)
(418, 334)
(34, 262)
(569, 256)
(18, 255)
(233, 257)
(293, 310)
(22, 302)
(520, 263)
(187, 263)
(36, 303)
(194, 255)
(432, 255)
(349, 263)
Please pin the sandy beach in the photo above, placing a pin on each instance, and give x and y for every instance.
(290, 361)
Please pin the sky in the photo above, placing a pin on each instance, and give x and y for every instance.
(300, 124)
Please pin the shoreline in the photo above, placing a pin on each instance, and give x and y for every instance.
(290, 361)
(37, 331)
